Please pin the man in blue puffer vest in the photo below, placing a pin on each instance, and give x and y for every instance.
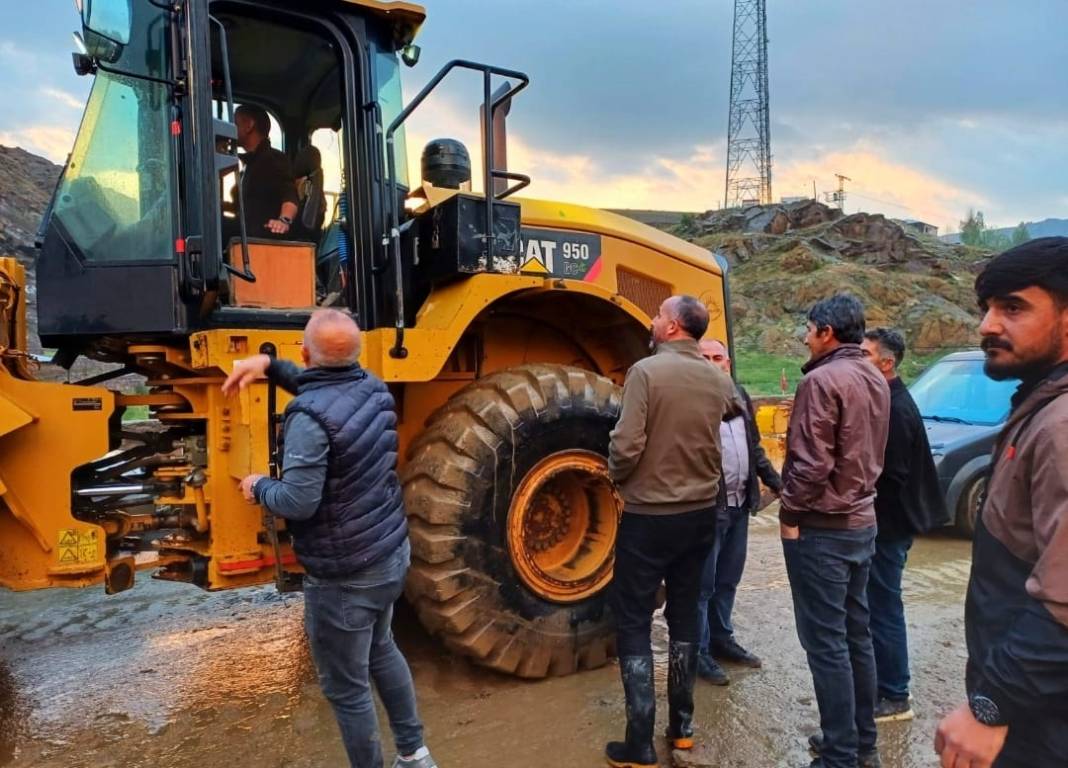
(341, 499)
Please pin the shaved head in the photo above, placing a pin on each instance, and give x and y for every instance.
(331, 339)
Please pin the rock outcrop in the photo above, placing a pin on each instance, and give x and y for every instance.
(784, 258)
(777, 219)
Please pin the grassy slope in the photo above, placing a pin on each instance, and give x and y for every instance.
(759, 372)
(782, 275)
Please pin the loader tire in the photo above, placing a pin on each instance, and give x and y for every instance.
(513, 519)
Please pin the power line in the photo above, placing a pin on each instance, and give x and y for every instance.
(883, 202)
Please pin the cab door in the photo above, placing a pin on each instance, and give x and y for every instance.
(110, 251)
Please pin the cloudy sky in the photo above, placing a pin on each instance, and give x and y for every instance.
(929, 106)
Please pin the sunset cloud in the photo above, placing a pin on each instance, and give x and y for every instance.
(53, 142)
(923, 119)
(694, 181)
(66, 99)
(879, 183)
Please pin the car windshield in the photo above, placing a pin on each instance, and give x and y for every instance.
(959, 391)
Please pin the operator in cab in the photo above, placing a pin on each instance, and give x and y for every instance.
(267, 182)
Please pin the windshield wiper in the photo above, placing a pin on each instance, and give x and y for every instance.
(945, 419)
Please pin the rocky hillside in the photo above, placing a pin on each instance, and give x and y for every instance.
(786, 257)
(26, 185)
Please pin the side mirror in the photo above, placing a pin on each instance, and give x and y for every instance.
(410, 54)
(83, 64)
(107, 25)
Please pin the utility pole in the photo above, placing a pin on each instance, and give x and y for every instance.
(748, 126)
(838, 197)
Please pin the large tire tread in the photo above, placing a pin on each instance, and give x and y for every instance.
(445, 470)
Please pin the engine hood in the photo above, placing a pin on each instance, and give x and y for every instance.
(946, 436)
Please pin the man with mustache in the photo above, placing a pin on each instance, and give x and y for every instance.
(1016, 615)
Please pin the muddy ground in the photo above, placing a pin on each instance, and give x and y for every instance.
(167, 675)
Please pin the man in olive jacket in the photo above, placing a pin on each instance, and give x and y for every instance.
(1016, 615)
(834, 456)
(664, 455)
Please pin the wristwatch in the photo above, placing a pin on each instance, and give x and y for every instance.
(985, 710)
(286, 220)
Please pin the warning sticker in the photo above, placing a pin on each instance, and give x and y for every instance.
(76, 546)
(534, 266)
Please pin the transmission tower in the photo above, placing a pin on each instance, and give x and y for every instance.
(748, 132)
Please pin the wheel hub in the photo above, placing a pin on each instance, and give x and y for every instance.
(562, 526)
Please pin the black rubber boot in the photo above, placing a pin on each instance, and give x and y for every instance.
(637, 751)
(682, 671)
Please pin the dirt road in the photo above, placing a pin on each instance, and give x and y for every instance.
(167, 675)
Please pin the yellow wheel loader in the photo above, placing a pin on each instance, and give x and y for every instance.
(503, 326)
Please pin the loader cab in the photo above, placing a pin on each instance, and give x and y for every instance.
(143, 239)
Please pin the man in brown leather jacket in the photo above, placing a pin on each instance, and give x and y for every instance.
(834, 456)
(1016, 616)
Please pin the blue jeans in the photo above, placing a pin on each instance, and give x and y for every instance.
(348, 624)
(721, 575)
(888, 632)
(828, 571)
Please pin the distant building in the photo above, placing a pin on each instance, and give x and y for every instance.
(919, 226)
(788, 200)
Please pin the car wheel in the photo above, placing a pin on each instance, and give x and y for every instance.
(968, 506)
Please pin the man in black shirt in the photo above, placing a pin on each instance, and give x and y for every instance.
(909, 502)
(267, 184)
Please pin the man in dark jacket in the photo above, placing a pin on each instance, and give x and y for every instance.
(744, 464)
(834, 456)
(341, 499)
(1016, 615)
(909, 502)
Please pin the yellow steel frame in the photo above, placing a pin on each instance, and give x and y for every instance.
(47, 430)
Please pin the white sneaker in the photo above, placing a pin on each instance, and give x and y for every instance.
(419, 759)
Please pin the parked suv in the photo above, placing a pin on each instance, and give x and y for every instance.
(963, 410)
